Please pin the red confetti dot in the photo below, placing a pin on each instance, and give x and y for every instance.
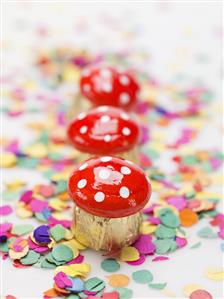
(200, 294)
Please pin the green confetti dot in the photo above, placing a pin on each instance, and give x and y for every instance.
(94, 284)
(196, 245)
(168, 218)
(110, 265)
(157, 286)
(162, 246)
(62, 253)
(142, 276)
(124, 293)
(61, 186)
(207, 232)
(22, 229)
(164, 232)
(31, 258)
(46, 264)
(58, 232)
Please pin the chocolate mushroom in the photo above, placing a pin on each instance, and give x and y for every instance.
(104, 131)
(109, 194)
(109, 86)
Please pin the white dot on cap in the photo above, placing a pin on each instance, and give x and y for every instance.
(126, 131)
(125, 170)
(81, 115)
(105, 73)
(124, 192)
(83, 129)
(99, 196)
(124, 116)
(124, 80)
(102, 108)
(86, 87)
(83, 166)
(124, 98)
(107, 87)
(82, 183)
(104, 174)
(106, 159)
(105, 118)
(107, 138)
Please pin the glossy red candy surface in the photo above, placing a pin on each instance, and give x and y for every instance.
(108, 86)
(109, 187)
(103, 131)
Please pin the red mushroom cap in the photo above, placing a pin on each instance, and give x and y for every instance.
(103, 131)
(108, 86)
(109, 187)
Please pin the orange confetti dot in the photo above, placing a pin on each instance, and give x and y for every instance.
(188, 217)
(51, 293)
(118, 280)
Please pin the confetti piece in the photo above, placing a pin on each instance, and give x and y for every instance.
(215, 274)
(142, 276)
(5, 210)
(111, 295)
(144, 245)
(188, 217)
(140, 261)
(77, 285)
(22, 229)
(164, 232)
(41, 234)
(168, 218)
(124, 293)
(118, 280)
(94, 284)
(110, 265)
(31, 258)
(207, 232)
(8, 160)
(157, 286)
(62, 253)
(129, 254)
(74, 270)
(200, 294)
(62, 280)
(196, 245)
(160, 258)
(57, 232)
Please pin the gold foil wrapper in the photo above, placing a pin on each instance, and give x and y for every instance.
(107, 234)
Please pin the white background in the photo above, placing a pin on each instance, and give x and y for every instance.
(173, 34)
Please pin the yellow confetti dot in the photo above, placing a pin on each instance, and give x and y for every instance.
(15, 185)
(68, 235)
(7, 160)
(61, 176)
(147, 228)
(37, 150)
(23, 213)
(58, 204)
(76, 244)
(190, 288)
(18, 255)
(129, 254)
(118, 280)
(215, 274)
(74, 270)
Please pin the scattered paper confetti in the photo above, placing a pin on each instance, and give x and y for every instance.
(142, 276)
